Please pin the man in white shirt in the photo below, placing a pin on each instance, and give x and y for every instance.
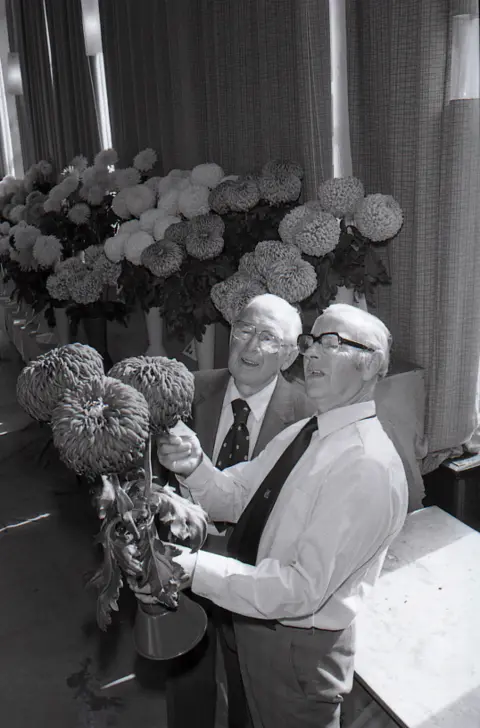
(263, 343)
(315, 513)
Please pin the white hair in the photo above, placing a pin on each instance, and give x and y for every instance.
(286, 314)
(374, 332)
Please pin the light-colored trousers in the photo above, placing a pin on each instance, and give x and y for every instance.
(294, 678)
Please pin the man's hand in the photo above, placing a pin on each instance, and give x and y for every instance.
(179, 450)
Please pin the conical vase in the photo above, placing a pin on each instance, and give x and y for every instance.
(154, 323)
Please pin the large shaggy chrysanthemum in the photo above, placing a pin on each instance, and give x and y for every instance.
(340, 195)
(86, 289)
(219, 198)
(205, 238)
(318, 235)
(270, 252)
(114, 247)
(108, 271)
(293, 281)
(247, 266)
(280, 187)
(47, 250)
(243, 194)
(100, 427)
(167, 385)
(283, 166)
(178, 232)
(163, 258)
(378, 217)
(232, 295)
(292, 222)
(43, 381)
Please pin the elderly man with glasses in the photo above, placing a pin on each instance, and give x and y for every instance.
(236, 412)
(315, 513)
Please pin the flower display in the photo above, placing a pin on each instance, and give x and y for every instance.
(378, 217)
(205, 237)
(294, 281)
(163, 258)
(42, 382)
(232, 295)
(318, 235)
(340, 195)
(100, 427)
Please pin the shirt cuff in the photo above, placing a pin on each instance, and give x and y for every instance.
(201, 476)
(210, 573)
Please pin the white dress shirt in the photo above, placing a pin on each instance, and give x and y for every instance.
(258, 404)
(324, 544)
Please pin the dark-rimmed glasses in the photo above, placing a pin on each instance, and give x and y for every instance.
(329, 340)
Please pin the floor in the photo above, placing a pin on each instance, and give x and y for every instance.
(56, 666)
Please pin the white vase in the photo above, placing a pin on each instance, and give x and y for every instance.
(206, 349)
(154, 325)
(350, 296)
(62, 326)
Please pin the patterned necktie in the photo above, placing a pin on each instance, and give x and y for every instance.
(245, 538)
(235, 446)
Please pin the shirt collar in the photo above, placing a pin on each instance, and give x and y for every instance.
(257, 402)
(339, 418)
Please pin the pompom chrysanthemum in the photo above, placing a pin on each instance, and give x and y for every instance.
(119, 205)
(4, 228)
(131, 226)
(318, 235)
(208, 174)
(291, 223)
(135, 245)
(269, 252)
(280, 187)
(247, 266)
(108, 271)
(86, 289)
(232, 295)
(163, 258)
(149, 218)
(95, 195)
(294, 282)
(24, 258)
(47, 250)
(92, 253)
(178, 232)
(16, 213)
(167, 385)
(42, 383)
(128, 177)
(193, 201)
(100, 427)
(378, 217)
(145, 160)
(106, 158)
(219, 198)
(57, 287)
(138, 199)
(340, 195)
(114, 247)
(242, 195)
(25, 236)
(80, 163)
(283, 166)
(162, 224)
(205, 239)
(4, 246)
(168, 202)
(79, 213)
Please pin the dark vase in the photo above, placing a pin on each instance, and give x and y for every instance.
(96, 333)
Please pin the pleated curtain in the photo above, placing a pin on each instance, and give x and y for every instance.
(235, 82)
(411, 141)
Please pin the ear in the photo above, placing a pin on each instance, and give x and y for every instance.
(371, 366)
(289, 358)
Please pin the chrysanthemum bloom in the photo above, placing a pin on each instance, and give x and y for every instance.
(58, 288)
(4, 246)
(243, 195)
(16, 213)
(25, 236)
(70, 183)
(163, 258)
(138, 199)
(292, 222)
(87, 289)
(4, 228)
(178, 179)
(145, 159)
(283, 166)
(152, 182)
(167, 385)
(51, 205)
(88, 176)
(106, 158)
(193, 200)
(107, 271)
(71, 266)
(279, 188)
(219, 198)
(247, 266)
(79, 213)
(293, 281)
(80, 163)
(208, 175)
(205, 239)
(269, 252)
(42, 383)
(232, 295)
(378, 217)
(100, 427)
(149, 218)
(178, 232)
(128, 177)
(58, 193)
(92, 253)
(44, 168)
(340, 195)
(135, 245)
(47, 250)
(162, 224)
(119, 206)
(168, 202)
(114, 247)
(95, 195)
(24, 258)
(318, 236)
(131, 226)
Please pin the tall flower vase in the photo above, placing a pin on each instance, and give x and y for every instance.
(350, 296)
(96, 333)
(62, 326)
(205, 349)
(154, 323)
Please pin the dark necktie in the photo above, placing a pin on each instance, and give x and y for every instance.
(245, 538)
(235, 446)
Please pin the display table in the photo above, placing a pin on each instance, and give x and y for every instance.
(418, 638)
